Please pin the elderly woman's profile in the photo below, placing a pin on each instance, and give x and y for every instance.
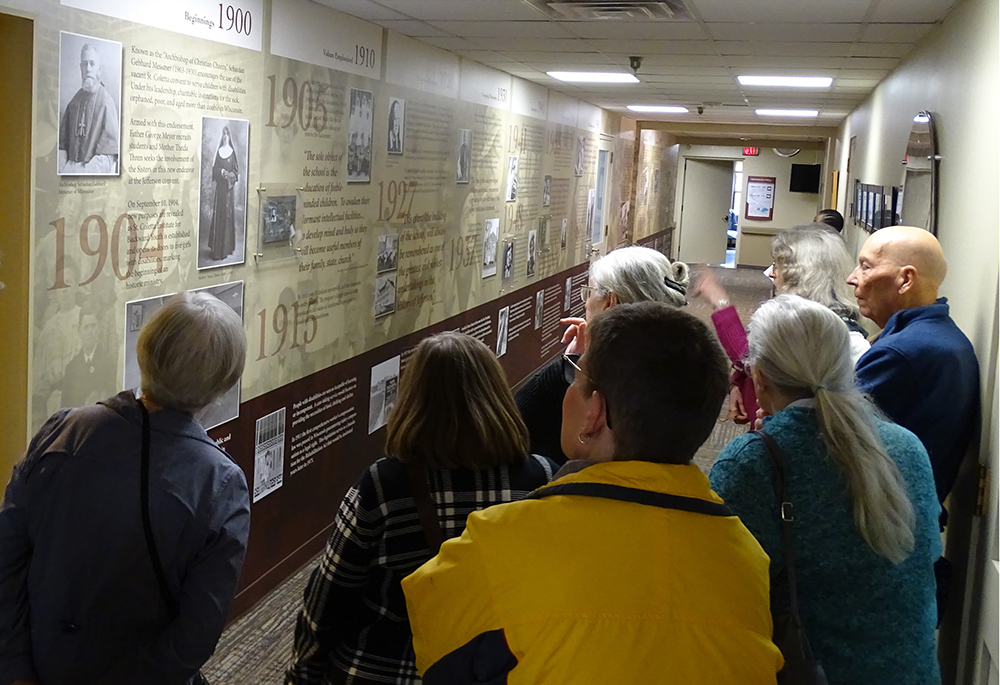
(123, 529)
(225, 174)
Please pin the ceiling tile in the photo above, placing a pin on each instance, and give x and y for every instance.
(412, 28)
(894, 33)
(895, 50)
(504, 29)
(813, 48)
(743, 63)
(903, 11)
(487, 56)
(453, 43)
(635, 30)
(781, 10)
(550, 61)
(547, 45)
(657, 47)
(365, 9)
(463, 10)
(789, 33)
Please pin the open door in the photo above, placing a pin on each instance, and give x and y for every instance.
(705, 203)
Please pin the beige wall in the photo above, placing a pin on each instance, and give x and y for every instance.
(655, 180)
(953, 73)
(790, 209)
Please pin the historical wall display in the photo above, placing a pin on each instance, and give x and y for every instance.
(347, 190)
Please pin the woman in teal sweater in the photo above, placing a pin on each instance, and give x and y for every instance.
(865, 507)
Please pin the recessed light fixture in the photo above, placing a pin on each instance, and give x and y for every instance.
(786, 81)
(804, 113)
(593, 77)
(921, 119)
(659, 109)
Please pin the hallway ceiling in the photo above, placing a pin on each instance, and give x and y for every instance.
(691, 58)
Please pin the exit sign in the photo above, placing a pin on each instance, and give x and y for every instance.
(751, 151)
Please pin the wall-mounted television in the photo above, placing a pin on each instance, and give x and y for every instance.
(805, 178)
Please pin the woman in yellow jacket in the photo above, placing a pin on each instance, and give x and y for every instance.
(630, 570)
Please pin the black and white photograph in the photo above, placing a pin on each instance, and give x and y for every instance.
(511, 193)
(508, 261)
(568, 294)
(90, 98)
(491, 240)
(387, 252)
(397, 112)
(385, 294)
(225, 408)
(539, 305)
(502, 317)
(581, 150)
(222, 200)
(547, 191)
(532, 248)
(543, 233)
(591, 201)
(359, 137)
(277, 219)
(269, 454)
(463, 156)
(382, 394)
(563, 233)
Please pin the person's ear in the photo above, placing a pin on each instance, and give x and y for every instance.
(612, 299)
(906, 279)
(596, 418)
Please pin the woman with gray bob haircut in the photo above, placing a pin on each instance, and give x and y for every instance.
(623, 276)
(139, 522)
(865, 505)
(191, 352)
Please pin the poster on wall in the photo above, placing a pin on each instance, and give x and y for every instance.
(277, 218)
(532, 248)
(491, 239)
(138, 312)
(510, 195)
(547, 191)
(760, 198)
(563, 234)
(90, 95)
(359, 143)
(581, 150)
(397, 112)
(463, 163)
(269, 454)
(508, 262)
(387, 252)
(222, 205)
(382, 394)
(502, 316)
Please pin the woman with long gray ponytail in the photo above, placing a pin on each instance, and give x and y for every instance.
(865, 508)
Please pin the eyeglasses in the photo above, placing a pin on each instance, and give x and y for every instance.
(587, 290)
(570, 368)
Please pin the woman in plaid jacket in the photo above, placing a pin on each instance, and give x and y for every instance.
(456, 420)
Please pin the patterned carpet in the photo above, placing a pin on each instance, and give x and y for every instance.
(257, 647)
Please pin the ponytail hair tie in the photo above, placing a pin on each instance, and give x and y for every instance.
(819, 386)
(674, 285)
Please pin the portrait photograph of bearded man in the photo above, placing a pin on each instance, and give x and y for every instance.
(90, 95)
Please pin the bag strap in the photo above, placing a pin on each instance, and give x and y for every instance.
(147, 524)
(425, 508)
(787, 513)
(634, 495)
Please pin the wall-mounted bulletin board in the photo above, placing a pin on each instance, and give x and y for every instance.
(347, 190)
(760, 198)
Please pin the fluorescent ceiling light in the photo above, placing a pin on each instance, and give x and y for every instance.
(659, 109)
(787, 113)
(593, 77)
(786, 81)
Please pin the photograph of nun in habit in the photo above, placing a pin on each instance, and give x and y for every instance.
(222, 202)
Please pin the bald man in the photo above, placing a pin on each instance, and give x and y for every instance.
(922, 370)
(88, 132)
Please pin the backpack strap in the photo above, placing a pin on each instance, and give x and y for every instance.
(634, 495)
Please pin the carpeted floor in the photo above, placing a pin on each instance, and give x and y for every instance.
(256, 648)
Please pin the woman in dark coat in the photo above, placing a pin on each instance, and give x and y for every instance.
(225, 172)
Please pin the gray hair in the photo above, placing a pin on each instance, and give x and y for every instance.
(802, 347)
(640, 274)
(815, 264)
(191, 352)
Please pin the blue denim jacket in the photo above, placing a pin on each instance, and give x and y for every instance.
(79, 600)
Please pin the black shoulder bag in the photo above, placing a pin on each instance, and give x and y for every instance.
(147, 526)
(789, 634)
